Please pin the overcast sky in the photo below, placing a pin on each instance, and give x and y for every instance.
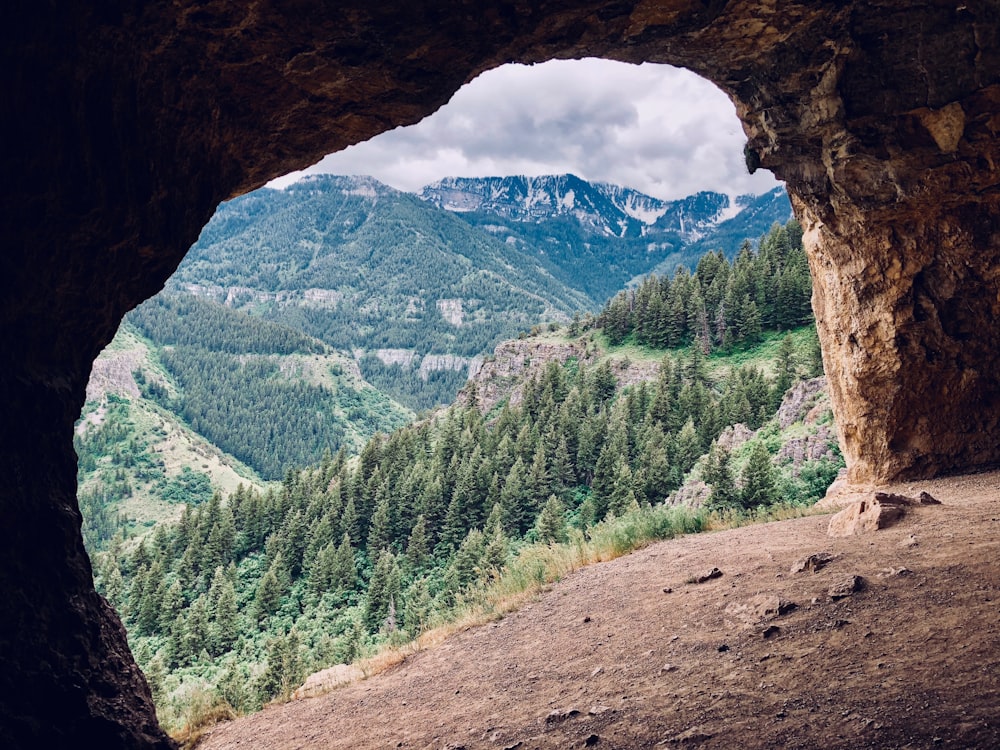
(655, 128)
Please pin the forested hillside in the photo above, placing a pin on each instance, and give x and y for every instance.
(723, 304)
(193, 397)
(246, 594)
(413, 291)
(265, 393)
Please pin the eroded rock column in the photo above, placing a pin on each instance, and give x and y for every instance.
(907, 309)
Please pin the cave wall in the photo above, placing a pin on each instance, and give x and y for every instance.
(126, 124)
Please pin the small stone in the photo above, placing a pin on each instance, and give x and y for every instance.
(668, 668)
(561, 714)
(591, 741)
(597, 671)
(587, 618)
(813, 563)
(514, 746)
(771, 631)
(694, 735)
(893, 572)
(668, 591)
(723, 648)
(708, 575)
(846, 586)
(926, 498)
(598, 710)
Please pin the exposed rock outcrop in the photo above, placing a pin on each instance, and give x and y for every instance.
(127, 123)
(880, 511)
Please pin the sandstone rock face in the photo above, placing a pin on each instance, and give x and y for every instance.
(127, 123)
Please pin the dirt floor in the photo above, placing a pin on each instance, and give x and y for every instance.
(633, 654)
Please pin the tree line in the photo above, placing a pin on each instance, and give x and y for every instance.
(722, 304)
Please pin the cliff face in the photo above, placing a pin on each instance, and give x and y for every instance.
(127, 123)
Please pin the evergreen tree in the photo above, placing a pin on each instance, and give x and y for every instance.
(224, 625)
(418, 608)
(785, 371)
(815, 357)
(380, 532)
(267, 598)
(688, 448)
(383, 591)
(344, 570)
(623, 498)
(418, 548)
(718, 474)
(759, 484)
(551, 523)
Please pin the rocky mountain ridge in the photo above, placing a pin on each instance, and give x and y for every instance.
(600, 208)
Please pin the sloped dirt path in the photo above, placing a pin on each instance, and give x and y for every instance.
(627, 654)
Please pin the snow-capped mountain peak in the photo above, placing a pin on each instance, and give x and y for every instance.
(599, 208)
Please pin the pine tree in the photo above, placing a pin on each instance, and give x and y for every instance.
(196, 630)
(514, 499)
(418, 548)
(379, 533)
(623, 498)
(267, 598)
(466, 564)
(785, 370)
(496, 550)
(454, 529)
(343, 573)
(718, 474)
(561, 470)
(349, 521)
(383, 589)
(815, 356)
(225, 616)
(551, 524)
(172, 605)
(605, 476)
(657, 483)
(759, 484)
(688, 447)
(418, 608)
(538, 484)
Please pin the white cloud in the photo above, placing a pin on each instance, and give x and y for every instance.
(655, 128)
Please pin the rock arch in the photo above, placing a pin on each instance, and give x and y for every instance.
(127, 123)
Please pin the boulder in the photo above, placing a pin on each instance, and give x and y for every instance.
(865, 516)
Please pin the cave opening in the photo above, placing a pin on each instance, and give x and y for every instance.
(660, 128)
(132, 124)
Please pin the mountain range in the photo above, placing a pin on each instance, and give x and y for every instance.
(598, 237)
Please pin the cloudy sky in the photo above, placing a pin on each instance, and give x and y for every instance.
(655, 128)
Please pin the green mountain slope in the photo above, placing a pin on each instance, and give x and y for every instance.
(140, 463)
(192, 397)
(369, 269)
(267, 394)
